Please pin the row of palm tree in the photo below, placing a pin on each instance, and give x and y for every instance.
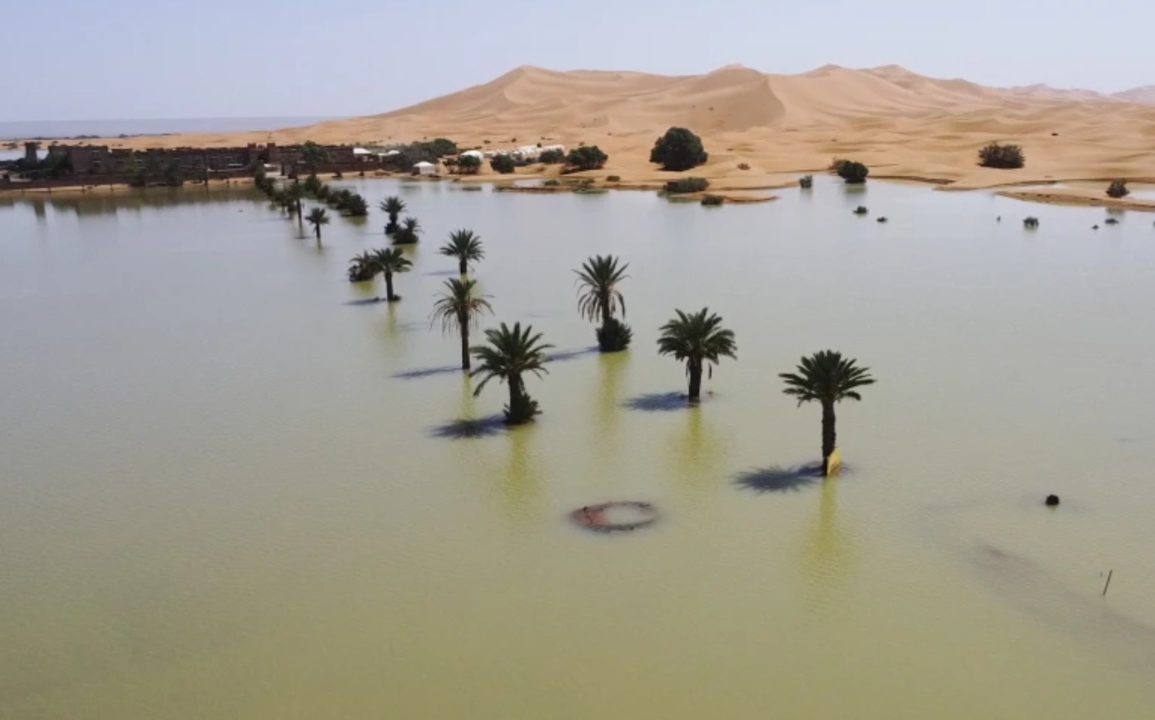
(698, 339)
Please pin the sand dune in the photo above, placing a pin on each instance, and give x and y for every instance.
(898, 122)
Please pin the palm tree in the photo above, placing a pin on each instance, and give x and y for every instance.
(318, 217)
(458, 307)
(390, 261)
(394, 206)
(363, 267)
(407, 233)
(696, 338)
(599, 298)
(828, 378)
(293, 195)
(466, 247)
(512, 352)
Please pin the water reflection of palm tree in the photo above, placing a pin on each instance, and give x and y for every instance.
(520, 483)
(697, 452)
(826, 553)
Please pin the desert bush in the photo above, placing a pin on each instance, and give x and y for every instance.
(712, 200)
(679, 149)
(613, 178)
(586, 157)
(743, 166)
(806, 182)
(503, 164)
(614, 336)
(1001, 156)
(1118, 189)
(551, 157)
(854, 173)
(467, 165)
(552, 182)
(861, 210)
(687, 185)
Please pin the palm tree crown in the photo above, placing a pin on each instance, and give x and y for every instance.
(598, 294)
(465, 246)
(391, 260)
(826, 376)
(697, 336)
(317, 217)
(363, 266)
(392, 206)
(510, 353)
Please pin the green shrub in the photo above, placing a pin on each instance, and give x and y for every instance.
(467, 165)
(687, 185)
(587, 157)
(552, 182)
(503, 164)
(551, 157)
(1112, 221)
(854, 173)
(614, 336)
(861, 210)
(743, 166)
(806, 182)
(1001, 156)
(710, 200)
(613, 178)
(1118, 189)
(679, 149)
(1030, 222)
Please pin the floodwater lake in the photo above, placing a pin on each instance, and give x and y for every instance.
(232, 488)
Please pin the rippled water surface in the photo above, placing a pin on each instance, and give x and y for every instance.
(230, 488)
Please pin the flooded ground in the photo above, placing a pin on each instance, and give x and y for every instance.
(230, 487)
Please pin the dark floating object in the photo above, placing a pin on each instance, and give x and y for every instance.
(881, 219)
(999, 218)
(860, 210)
(616, 516)
(1030, 222)
(1094, 227)
(1112, 221)
(1052, 500)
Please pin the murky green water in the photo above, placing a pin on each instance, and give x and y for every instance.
(226, 492)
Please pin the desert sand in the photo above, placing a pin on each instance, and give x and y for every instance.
(901, 124)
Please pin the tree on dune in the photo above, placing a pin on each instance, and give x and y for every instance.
(679, 149)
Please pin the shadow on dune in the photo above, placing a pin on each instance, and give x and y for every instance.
(474, 428)
(779, 479)
(658, 402)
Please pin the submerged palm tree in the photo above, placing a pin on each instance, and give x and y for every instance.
(407, 232)
(293, 194)
(458, 308)
(827, 378)
(511, 353)
(466, 247)
(393, 206)
(599, 298)
(363, 267)
(318, 217)
(390, 261)
(697, 338)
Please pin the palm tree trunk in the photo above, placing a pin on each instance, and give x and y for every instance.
(515, 393)
(300, 218)
(463, 265)
(695, 369)
(829, 438)
(606, 317)
(464, 323)
(318, 231)
(389, 287)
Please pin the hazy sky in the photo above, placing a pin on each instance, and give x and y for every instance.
(82, 59)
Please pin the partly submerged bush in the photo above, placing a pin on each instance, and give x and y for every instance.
(1112, 221)
(361, 270)
(1118, 189)
(711, 200)
(861, 210)
(687, 185)
(1031, 222)
(679, 149)
(854, 173)
(1001, 156)
(614, 336)
(806, 182)
(521, 410)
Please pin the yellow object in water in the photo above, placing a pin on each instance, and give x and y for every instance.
(834, 463)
